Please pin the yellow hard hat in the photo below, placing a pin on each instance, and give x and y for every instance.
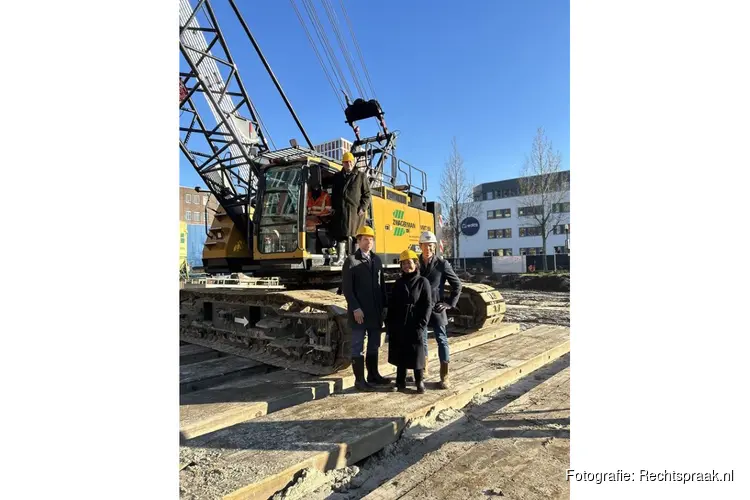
(407, 254)
(366, 231)
(348, 157)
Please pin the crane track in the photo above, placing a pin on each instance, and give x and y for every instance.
(303, 330)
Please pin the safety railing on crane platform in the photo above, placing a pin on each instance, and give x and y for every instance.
(403, 176)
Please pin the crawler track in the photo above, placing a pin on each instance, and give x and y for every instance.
(304, 330)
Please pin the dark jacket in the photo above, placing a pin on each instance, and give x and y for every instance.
(437, 273)
(409, 311)
(351, 192)
(363, 284)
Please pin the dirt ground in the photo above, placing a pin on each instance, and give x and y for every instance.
(511, 443)
(531, 307)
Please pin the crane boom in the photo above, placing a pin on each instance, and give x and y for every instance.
(224, 154)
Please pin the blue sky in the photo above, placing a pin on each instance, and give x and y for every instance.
(487, 72)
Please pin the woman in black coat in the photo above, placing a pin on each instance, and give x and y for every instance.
(409, 310)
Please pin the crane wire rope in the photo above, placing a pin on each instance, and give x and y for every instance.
(359, 50)
(317, 54)
(333, 20)
(320, 32)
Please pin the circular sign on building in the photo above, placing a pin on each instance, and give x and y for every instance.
(469, 226)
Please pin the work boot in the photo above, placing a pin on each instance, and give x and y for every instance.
(410, 378)
(358, 366)
(373, 376)
(418, 378)
(426, 360)
(341, 254)
(400, 379)
(444, 383)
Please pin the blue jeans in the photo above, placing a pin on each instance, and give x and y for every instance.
(358, 340)
(441, 336)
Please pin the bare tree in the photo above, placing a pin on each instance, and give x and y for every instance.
(456, 196)
(544, 191)
(448, 238)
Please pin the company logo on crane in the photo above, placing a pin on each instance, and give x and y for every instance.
(401, 227)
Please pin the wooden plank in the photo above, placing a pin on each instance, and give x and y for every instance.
(245, 399)
(261, 456)
(196, 353)
(354, 448)
(215, 371)
(531, 445)
(434, 452)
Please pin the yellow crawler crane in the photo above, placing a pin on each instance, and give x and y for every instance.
(279, 304)
(304, 327)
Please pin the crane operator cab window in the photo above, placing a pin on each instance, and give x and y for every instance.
(318, 212)
(280, 209)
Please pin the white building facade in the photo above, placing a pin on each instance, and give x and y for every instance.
(503, 230)
(335, 148)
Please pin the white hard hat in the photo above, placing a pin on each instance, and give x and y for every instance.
(427, 237)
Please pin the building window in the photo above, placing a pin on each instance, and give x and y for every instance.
(531, 251)
(501, 213)
(499, 233)
(501, 252)
(489, 195)
(560, 250)
(205, 200)
(188, 215)
(187, 198)
(561, 207)
(529, 231)
(561, 229)
(197, 216)
(527, 211)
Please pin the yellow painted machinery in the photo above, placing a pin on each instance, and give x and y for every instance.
(260, 229)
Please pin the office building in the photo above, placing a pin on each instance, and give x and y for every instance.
(503, 225)
(335, 148)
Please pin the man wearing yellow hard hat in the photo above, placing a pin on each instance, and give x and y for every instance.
(363, 285)
(409, 311)
(350, 200)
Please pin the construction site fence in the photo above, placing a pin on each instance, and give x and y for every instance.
(556, 262)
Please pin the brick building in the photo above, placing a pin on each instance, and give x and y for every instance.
(193, 206)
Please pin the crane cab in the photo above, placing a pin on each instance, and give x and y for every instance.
(283, 240)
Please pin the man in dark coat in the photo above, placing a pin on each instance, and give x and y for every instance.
(437, 271)
(363, 285)
(409, 311)
(350, 199)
